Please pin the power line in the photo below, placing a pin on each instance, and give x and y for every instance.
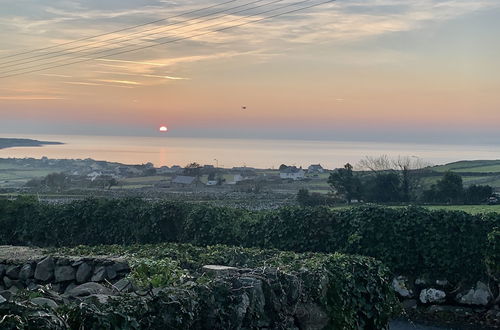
(116, 31)
(182, 38)
(108, 50)
(62, 53)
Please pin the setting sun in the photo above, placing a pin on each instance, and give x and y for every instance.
(163, 129)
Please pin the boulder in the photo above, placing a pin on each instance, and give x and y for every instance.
(6, 294)
(99, 274)
(2, 300)
(432, 296)
(3, 268)
(45, 269)
(311, 317)
(124, 285)
(13, 272)
(121, 267)
(400, 284)
(88, 289)
(111, 273)
(64, 274)
(9, 283)
(442, 283)
(101, 298)
(83, 273)
(480, 295)
(44, 302)
(26, 272)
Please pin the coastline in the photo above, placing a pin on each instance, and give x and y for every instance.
(16, 142)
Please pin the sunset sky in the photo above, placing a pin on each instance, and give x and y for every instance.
(391, 70)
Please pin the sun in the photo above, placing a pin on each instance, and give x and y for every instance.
(163, 129)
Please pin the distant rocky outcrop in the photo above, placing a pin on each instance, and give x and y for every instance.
(11, 143)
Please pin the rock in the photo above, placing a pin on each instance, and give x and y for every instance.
(64, 274)
(121, 267)
(111, 273)
(13, 272)
(480, 295)
(101, 298)
(442, 282)
(88, 289)
(45, 269)
(2, 300)
(401, 286)
(124, 285)
(219, 270)
(6, 294)
(26, 272)
(77, 262)
(410, 304)
(70, 287)
(432, 296)
(311, 317)
(83, 273)
(32, 286)
(3, 268)
(12, 283)
(63, 262)
(14, 290)
(99, 274)
(44, 302)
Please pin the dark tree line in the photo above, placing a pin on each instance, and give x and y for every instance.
(384, 181)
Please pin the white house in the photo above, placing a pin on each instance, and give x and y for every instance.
(316, 169)
(292, 172)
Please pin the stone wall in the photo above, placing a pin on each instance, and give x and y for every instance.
(62, 273)
(440, 299)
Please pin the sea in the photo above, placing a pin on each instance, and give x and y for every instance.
(228, 152)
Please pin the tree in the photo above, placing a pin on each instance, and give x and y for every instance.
(193, 169)
(283, 167)
(408, 169)
(56, 181)
(476, 194)
(384, 188)
(451, 188)
(345, 183)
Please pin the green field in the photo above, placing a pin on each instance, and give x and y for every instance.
(472, 209)
(478, 166)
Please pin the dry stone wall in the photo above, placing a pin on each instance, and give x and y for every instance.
(62, 273)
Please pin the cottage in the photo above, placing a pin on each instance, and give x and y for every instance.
(316, 169)
(183, 180)
(292, 172)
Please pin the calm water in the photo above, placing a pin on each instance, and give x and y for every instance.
(165, 150)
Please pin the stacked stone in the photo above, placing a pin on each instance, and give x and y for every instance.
(61, 273)
(440, 296)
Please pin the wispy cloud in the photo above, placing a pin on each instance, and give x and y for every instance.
(30, 98)
(125, 82)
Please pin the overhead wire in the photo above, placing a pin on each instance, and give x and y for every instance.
(69, 51)
(116, 31)
(184, 38)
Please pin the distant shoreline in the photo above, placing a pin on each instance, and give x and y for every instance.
(12, 143)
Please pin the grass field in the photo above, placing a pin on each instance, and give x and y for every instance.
(482, 166)
(472, 209)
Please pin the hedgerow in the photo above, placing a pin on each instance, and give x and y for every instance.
(355, 291)
(444, 244)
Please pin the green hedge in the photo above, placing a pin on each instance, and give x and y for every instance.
(449, 244)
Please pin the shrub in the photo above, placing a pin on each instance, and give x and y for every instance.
(412, 240)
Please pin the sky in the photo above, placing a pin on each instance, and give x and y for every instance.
(379, 70)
